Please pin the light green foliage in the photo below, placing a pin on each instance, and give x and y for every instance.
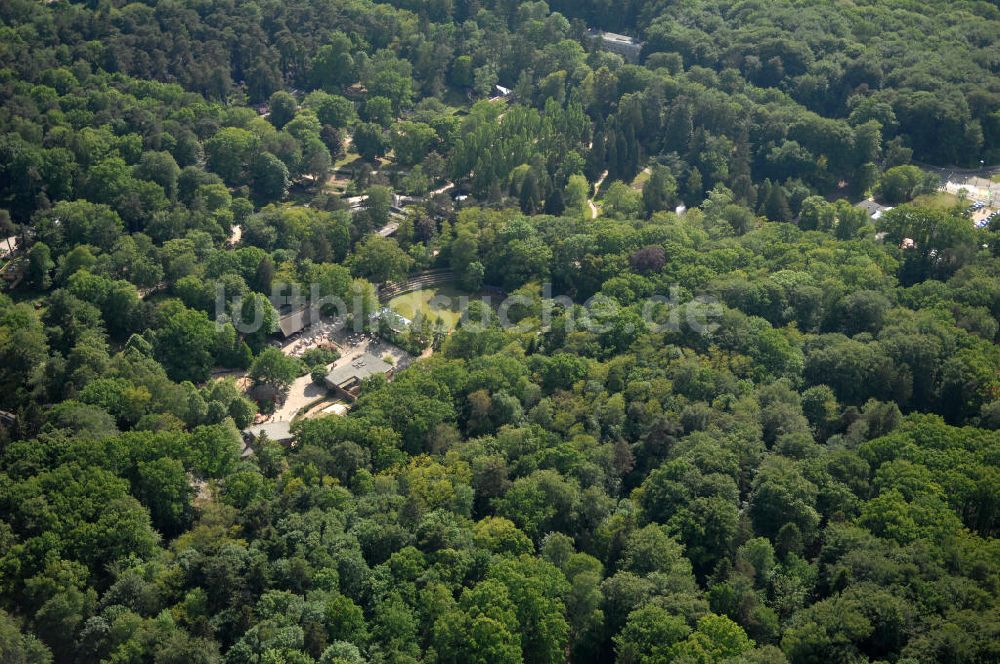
(621, 201)
(380, 259)
(274, 368)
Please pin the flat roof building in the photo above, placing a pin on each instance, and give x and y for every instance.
(623, 45)
(279, 432)
(346, 378)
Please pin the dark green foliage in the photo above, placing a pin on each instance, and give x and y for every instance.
(762, 430)
(269, 179)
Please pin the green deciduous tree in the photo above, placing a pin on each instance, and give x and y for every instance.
(659, 191)
(162, 486)
(40, 265)
(332, 110)
(185, 342)
(230, 153)
(412, 141)
(274, 368)
(380, 259)
(281, 108)
(269, 179)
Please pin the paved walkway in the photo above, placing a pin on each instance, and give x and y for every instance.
(597, 189)
(301, 393)
(440, 190)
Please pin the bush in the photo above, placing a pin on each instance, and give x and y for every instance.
(315, 356)
(318, 373)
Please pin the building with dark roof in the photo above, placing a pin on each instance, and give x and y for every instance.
(294, 321)
(874, 210)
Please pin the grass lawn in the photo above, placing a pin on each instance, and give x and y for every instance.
(348, 158)
(940, 200)
(995, 177)
(435, 302)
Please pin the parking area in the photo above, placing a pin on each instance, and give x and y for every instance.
(982, 193)
(985, 217)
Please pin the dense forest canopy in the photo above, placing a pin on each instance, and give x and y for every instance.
(725, 415)
(933, 64)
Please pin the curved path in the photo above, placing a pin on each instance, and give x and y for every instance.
(597, 189)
